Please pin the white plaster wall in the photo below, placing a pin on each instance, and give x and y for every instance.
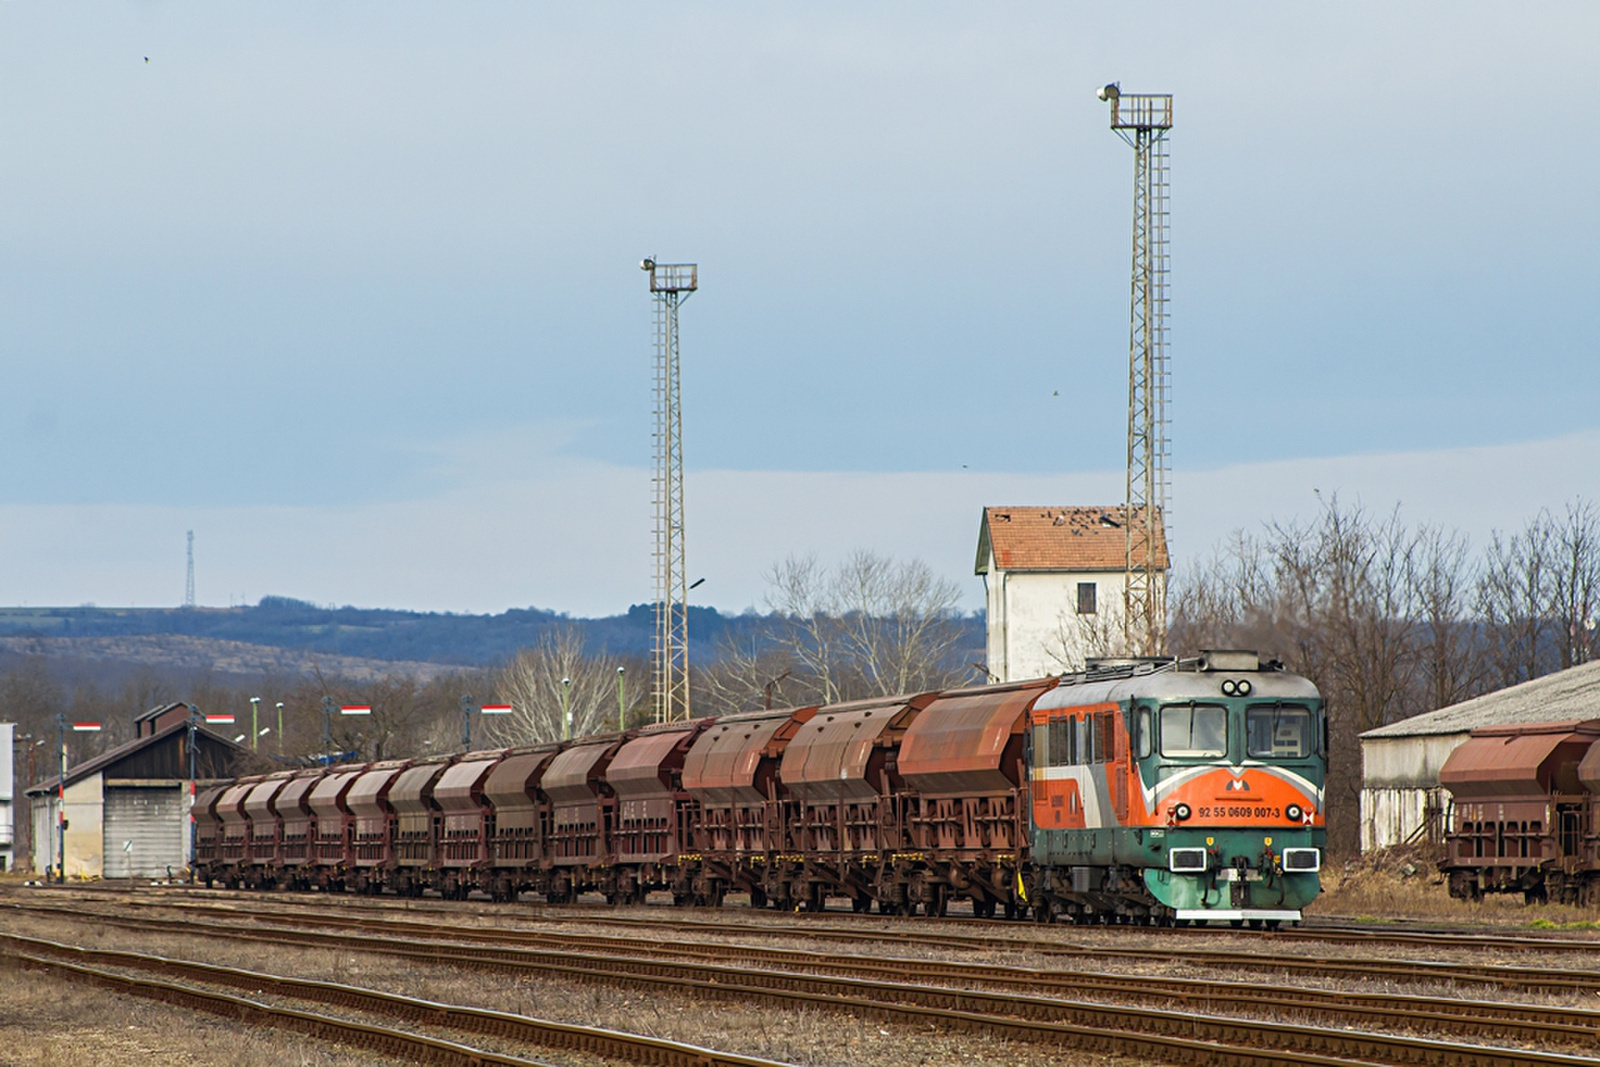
(44, 834)
(85, 807)
(1034, 625)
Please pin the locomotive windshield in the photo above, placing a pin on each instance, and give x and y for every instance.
(1278, 731)
(1194, 731)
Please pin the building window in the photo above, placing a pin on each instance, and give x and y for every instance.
(1086, 598)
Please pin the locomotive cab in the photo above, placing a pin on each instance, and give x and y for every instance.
(1183, 790)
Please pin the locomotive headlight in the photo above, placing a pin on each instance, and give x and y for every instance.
(1181, 812)
(1244, 687)
(1293, 812)
(1229, 688)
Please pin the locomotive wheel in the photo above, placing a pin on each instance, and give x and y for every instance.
(1011, 910)
(758, 897)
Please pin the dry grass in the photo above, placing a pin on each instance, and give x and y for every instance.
(1404, 883)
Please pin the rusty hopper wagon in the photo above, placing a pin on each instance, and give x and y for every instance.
(1525, 812)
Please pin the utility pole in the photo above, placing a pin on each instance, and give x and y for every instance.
(327, 730)
(670, 285)
(622, 703)
(466, 722)
(1142, 121)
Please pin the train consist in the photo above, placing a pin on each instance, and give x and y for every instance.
(1526, 815)
(1137, 791)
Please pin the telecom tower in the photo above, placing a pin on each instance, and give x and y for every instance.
(1143, 121)
(670, 285)
(188, 586)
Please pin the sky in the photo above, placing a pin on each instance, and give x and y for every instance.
(352, 290)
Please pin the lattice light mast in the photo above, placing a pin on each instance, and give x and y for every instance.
(1143, 121)
(670, 285)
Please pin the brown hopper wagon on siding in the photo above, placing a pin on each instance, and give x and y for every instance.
(1524, 812)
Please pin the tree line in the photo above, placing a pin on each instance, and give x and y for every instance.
(1391, 620)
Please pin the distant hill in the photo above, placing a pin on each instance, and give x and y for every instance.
(114, 658)
(432, 638)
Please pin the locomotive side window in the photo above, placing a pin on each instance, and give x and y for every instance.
(1058, 742)
(1194, 731)
(1141, 729)
(1278, 731)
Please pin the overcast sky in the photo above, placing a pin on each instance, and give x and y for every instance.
(352, 290)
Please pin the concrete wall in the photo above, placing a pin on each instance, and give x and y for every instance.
(1406, 762)
(1396, 816)
(1034, 628)
(85, 857)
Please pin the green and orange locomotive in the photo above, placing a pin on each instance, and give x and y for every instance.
(1192, 787)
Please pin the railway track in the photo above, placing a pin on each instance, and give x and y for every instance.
(1229, 962)
(861, 987)
(980, 933)
(82, 964)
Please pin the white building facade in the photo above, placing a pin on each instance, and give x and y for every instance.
(8, 793)
(1053, 581)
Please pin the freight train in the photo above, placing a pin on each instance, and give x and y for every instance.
(1526, 813)
(1137, 791)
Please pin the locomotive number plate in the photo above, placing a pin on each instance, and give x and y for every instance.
(1239, 811)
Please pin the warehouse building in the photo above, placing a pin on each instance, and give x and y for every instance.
(1053, 582)
(127, 811)
(1401, 799)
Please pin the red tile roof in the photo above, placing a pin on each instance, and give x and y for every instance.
(1059, 539)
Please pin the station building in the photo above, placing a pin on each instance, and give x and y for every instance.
(127, 810)
(1401, 798)
(1053, 583)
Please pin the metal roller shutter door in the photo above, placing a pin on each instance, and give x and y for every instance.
(152, 818)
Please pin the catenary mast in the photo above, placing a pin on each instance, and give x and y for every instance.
(1143, 121)
(670, 285)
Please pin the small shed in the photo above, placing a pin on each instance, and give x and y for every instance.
(127, 811)
(1401, 796)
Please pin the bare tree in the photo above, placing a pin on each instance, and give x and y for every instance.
(1514, 593)
(1450, 652)
(745, 675)
(557, 674)
(869, 627)
(1575, 583)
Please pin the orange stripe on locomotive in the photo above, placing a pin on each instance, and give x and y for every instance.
(1104, 788)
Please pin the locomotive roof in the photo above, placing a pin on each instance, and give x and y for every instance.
(1172, 680)
(1566, 695)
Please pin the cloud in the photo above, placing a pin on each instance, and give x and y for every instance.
(574, 535)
